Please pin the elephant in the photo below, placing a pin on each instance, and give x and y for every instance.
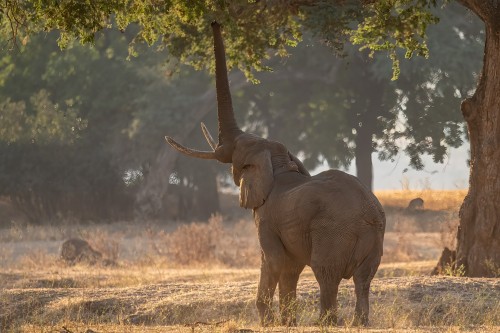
(330, 221)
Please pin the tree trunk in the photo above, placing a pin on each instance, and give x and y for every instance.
(363, 153)
(478, 246)
(373, 91)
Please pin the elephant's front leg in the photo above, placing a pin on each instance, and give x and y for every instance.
(288, 292)
(269, 275)
(273, 259)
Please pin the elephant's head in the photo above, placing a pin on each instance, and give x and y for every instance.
(255, 161)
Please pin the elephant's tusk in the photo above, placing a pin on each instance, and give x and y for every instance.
(208, 155)
(208, 136)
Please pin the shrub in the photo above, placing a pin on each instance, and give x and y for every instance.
(195, 243)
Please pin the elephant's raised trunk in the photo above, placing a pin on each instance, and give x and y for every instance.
(228, 128)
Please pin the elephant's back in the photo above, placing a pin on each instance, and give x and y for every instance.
(332, 193)
(338, 186)
(337, 178)
(345, 193)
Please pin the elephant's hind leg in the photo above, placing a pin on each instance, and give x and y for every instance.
(329, 281)
(362, 279)
(288, 292)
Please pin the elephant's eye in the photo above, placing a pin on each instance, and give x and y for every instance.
(247, 166)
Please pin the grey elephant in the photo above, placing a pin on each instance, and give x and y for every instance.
(330, 221)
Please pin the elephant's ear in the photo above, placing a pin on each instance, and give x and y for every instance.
(256, 180)
(302, 168)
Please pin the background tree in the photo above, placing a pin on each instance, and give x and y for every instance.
(431, 90)
(165, 179)
(63, 161)
(81, 127)
(337, 109)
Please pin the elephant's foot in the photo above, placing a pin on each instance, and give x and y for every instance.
(289, 322)
(327, 319)
(268, 321)
(360, 320)
(289, 314)
(267, 317)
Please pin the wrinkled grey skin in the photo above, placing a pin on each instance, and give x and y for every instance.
(329, 222)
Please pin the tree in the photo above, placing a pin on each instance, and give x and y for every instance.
(79, 126)
(349, 108)
(478, 247)
(321, 106)
(57, 131)
(431, 89)
(253, 27)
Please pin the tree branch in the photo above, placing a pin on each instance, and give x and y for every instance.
(487, 10)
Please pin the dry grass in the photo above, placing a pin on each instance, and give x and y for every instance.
(212, 243)
(433, 200)
(212, 296)
(202, 277)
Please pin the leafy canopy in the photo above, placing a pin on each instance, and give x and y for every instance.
(251, 27)
(393, 24)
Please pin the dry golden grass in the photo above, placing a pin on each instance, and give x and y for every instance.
(433, 200)
(202, 277)
(171, 301)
